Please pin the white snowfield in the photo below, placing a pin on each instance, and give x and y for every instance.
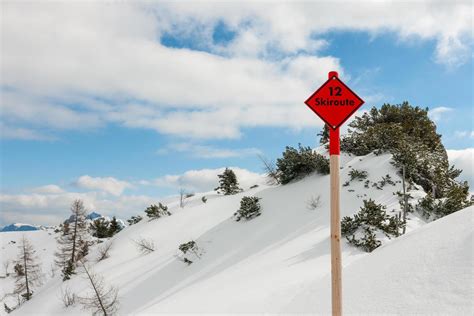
(279, 262)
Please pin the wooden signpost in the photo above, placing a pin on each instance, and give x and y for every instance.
(334, 103)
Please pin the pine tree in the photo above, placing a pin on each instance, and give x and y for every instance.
(410, 136)
(71, 240)
(298, 163)
(114, 227)
(249, 208)
(31, 271)
(228, 184)
(156, 211)
(324, 135)
(370, 219)
(100, 228)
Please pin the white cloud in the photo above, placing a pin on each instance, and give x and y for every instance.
(464, 134)
(49, 204)
(107, 184)
(48, 189)
(437, 113)
(206, 179)
(463, 159)
(292, 27)
(41, 111)
(204, 151)
(52, 209)
(10, 132)
(111, 52)
(44, 207)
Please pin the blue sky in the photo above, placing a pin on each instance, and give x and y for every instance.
(159, 102)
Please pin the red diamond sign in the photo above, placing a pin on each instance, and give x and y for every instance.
(334, 102)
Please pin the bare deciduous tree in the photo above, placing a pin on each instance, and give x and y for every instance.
(31, 277)
(104, 299)
(104, 251)
(68, 297)
(182, 197)
(270, 170)
(6, 265)
(314, 202)
(73, 242)
(145, 246)
(52, 271)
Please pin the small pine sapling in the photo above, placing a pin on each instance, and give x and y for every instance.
(157, 211)
(228, 184)
(134, 220)
(189, 247)
(100, 228)
(359, 175)
(249, 208)
(360, 230)
(114, 227)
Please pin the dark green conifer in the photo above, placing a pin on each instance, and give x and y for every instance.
(228, 184)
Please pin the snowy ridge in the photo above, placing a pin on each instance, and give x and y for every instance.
(18, 227)
(279, 261)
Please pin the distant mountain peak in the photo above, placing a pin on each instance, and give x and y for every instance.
(93, 216)
(15, 227)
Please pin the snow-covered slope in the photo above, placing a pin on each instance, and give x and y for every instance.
(44, 243)
(429, 271)
(275, 262)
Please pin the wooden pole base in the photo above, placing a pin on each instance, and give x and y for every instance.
(336, 267)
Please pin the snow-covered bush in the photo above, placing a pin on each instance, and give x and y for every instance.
(368, 242)
(359, 175)
(156, 211)
(298, 163)
(385, 180)
(361, 229)
(100, 228)
(249, 208)
(134, 220)
(114, 227)
(457, 198)
(410, 135)
(189, 247)
(228, 183)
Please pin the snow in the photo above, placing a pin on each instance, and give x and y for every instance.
(43, 242)
(279, 262)
(427, 271)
